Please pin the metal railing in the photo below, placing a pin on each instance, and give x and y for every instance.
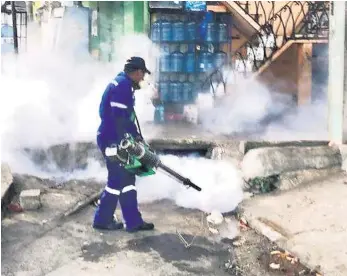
(260, 11)
(295, 20)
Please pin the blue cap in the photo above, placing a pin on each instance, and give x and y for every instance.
(136, 63)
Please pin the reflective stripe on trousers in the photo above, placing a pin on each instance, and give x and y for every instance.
(118, 192)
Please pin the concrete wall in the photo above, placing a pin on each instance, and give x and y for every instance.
(282, 74)
(301, 70)
(112, 20)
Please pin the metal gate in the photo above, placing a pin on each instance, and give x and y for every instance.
(14, 26)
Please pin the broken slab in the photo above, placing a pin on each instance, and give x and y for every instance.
(27, 182)
(6, 179)
(263, 162)
(30, 199)
(307, 221)
(66, 157)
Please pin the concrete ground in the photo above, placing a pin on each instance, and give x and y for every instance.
(309, 221)
(36, 243)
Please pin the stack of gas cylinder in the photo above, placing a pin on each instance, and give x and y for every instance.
(171, 35)
(189, 33)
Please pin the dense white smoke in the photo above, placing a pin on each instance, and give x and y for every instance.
(50, 96)
(251, 110)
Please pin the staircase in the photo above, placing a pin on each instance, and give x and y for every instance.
(280, 27)
(294, 22)
(291, 22)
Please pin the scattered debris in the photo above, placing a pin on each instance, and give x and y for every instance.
(243, 224)
(239, 242)
(284, 262)
(215, 218)
(274, 266)
(243, 221)
(30, 199)
(233, 268)
(213, 230)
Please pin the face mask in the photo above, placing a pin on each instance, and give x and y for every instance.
(136, 86)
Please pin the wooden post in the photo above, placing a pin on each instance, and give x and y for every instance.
(337, 74)
(304, 81)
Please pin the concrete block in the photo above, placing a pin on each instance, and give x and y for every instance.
(263, 162)
(226, 152)
(249, 145)
(291, 180)
(30, 199)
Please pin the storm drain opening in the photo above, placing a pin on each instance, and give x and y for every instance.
(80, 167)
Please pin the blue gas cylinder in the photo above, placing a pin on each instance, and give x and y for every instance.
(159, 115)
(190, 31)
(194, 94)
(220, 59)
(187, 92)
(177, 59)
(205, 61)
(210, 32)
(165, 60)
(202, 28)
(189, 62)
(175, 91)
(222, 32)
(198, 87)
(164, 91)
(166, 30)
(177, 31)
(155, 31)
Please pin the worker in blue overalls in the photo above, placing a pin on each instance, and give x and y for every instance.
(117, 118)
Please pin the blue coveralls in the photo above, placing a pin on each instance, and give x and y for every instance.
(117, 118)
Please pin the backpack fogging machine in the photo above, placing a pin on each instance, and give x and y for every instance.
(138, 158)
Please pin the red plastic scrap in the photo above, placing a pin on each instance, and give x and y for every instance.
(243, 224)
(15, 207)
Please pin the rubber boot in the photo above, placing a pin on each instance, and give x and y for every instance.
(145, 226)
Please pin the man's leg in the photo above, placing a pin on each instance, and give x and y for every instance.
(103, 218)
(129, 205)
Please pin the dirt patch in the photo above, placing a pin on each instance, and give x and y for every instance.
(255, 255)
(94, 251)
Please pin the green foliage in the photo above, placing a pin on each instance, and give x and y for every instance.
(264, 184)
